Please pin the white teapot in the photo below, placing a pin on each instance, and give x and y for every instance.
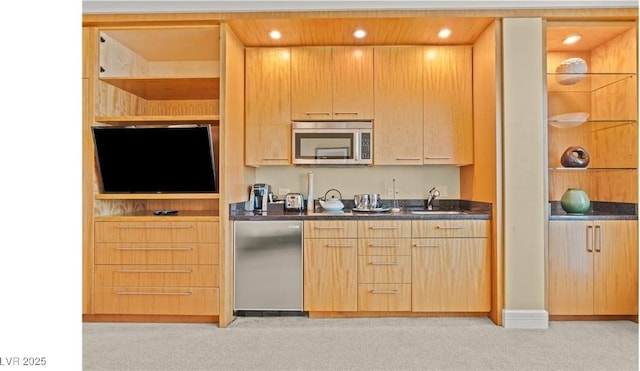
(332, 203)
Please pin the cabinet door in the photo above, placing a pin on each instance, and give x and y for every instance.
(330, 275)
(311, 72)
(398, 128)
(570, 267)
(615, 267)
(450, 275)
(268, 106)
(352, 83)
(448, 114)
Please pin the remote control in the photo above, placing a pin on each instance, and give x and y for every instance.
(165, 212)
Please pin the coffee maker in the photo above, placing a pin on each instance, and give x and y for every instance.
(259, 197)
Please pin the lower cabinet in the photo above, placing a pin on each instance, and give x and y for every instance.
(451, 267)
(593, 267)
(330, 266)
(397, 265)
(156, 268)
(384, 265)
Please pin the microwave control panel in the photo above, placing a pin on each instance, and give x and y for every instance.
(365, 148)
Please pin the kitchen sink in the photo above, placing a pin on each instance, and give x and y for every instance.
(437, 212)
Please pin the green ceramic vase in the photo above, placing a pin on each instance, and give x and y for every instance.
(575, 201)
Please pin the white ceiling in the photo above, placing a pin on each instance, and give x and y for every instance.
(164, 6)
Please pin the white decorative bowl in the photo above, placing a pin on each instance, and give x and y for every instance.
(568, 120)
(574, 68)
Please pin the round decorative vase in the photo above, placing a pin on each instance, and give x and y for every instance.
(575, 201)
(571, 71)
(575, 157)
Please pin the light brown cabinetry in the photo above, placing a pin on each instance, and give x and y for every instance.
(384, 265)
(162, 267)
(426, 91)
(330, 266)
(448, 105)
(332, 83)
(593, 267)
(268, 106)
(398, 92)
(450, 266)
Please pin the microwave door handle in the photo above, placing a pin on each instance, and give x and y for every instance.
(356, 147)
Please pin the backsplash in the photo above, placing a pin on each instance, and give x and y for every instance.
(412, 182)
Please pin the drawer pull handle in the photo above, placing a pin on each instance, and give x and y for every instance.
(154, 248)
(440, 227)
(337, 245)
(384, 227)
(599, 243)
(124, 226)
(275, 158)
(408, 158)
(318, 113)
(590, 238)
(384, 291)
(155, 271)
(152, 293)
(345, 113)
(384, 263)
(437, 157)
(329, 228)
(382, 245)
(426, 245)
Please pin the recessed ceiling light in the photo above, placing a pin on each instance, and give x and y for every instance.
(444, 33)
(275, 34)
(359, 33)
(571, 39)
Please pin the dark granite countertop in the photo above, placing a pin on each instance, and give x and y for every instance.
(463, 210)
(597, 211)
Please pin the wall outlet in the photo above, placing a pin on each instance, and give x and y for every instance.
(444, 190)
(390, 192)
(283, 191)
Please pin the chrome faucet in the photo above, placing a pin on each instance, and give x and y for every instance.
(433, 193)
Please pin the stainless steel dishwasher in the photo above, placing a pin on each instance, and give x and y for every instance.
(268, 267)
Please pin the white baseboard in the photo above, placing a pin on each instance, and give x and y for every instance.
(525, 318)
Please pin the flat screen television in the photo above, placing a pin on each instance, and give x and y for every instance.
(165, 159)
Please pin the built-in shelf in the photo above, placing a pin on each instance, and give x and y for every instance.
(157, 196)
(585, 82)
(590, 168)
(166, 88)
(160, 120)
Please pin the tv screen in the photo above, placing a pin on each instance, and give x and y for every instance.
(155, 159)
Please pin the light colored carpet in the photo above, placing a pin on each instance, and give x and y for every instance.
(300, 343)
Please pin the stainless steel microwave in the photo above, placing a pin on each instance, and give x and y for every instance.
(332, 142)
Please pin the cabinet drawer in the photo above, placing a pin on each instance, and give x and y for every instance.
(450, 228)
(384, 228)
(156, 232)
(156, 275)
(384, 269)
(384, 297)
(384, 246)
(157, 253)
(150, 300)
(330, 229)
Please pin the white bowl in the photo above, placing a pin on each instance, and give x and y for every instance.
(333, 205)
(568, 120)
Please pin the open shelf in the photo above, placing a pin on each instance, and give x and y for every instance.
(165, 88)
(160, 120)
(157, 196)
(588, 82)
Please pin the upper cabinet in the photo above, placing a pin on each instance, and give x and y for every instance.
(448, 105)
(159, 75)
(332, 83)
(398, 125)
(427, 92)
(593, 105)
(268, 106)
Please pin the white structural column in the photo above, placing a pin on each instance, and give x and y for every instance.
(524, 200)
